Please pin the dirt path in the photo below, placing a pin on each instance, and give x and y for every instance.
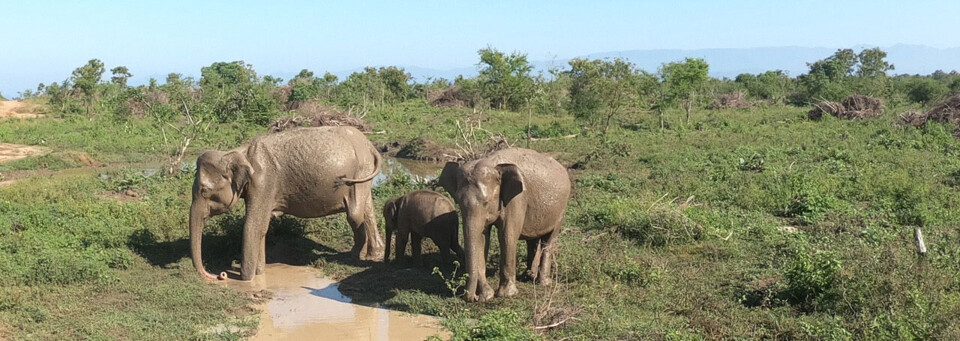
(306, 306)
(17, 109)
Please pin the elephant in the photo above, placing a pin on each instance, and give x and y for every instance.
(306, 172)
(521, 192)
(421, 214)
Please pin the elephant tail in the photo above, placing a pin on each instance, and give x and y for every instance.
(377, 162)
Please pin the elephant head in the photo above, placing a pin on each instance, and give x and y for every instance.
(221, 179)
(390, 209)
(482, 189)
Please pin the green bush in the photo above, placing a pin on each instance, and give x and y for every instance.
(813, 277)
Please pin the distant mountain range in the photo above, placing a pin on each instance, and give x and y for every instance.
(730, 62)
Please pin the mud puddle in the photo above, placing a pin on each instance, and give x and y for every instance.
(418, 170)
(306, 306)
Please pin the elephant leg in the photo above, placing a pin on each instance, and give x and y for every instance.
(402, 236)
(416, 243)
(386, 253)
(534, 248)
(455, 246)
(254, 232)
(368, 245)
(444, 245)
(508, 263)
(548, 250)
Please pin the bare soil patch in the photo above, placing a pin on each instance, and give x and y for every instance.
(17, 109)
(10, 152)
(128, 195)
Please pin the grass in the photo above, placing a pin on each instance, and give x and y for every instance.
(747, 224)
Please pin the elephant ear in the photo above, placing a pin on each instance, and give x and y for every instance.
(239, 169)
(511, 182)
(390, 210)
(448, 177)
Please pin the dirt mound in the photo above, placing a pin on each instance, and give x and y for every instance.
(17, 109)
(452, 96)
(734, 100)
(852, 107)
(316, 115)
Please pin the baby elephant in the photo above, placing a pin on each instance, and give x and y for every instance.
(422, 214)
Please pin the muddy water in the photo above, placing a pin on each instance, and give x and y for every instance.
(421, 170)
(306, 306)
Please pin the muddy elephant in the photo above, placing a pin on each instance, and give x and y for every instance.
(422, 214)
(521, 192)
(305, 172)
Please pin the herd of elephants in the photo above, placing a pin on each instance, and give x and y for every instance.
(317, 171)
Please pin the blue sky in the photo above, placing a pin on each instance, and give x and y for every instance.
(44, 40)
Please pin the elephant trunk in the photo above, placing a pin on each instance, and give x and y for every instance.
(475, 248)
(198, 216)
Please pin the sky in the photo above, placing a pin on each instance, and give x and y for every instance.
(43, 41)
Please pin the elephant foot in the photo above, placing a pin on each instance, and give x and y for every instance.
(507, 290)
(545, 281)
(485, 294)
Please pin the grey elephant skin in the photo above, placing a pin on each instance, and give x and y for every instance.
(422, 214)
(305, 172)
(521, 192)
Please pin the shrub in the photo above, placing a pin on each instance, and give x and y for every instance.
(812, 277)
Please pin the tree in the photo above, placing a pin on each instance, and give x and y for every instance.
(845, 72)
(601, 89)
(86, 79)
(923, 90)
(771, 85)
(373, 86)
(505, 79)
(234, 92)
(120, 75)
(302, 87)
(684, 80)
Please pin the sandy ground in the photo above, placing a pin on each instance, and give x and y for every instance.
(16, 109)
(10, 152)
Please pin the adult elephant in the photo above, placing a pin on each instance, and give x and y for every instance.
(521, 192)
(305, 172)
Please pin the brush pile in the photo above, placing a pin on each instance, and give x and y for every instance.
(317, 115)
(452, 96)
(852, 107)
(947, 111)
(733, 100)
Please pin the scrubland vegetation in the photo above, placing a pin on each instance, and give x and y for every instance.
(702, 209)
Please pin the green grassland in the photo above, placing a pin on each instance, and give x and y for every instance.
(744, 224)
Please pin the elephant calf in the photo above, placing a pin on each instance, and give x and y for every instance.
(422, 214)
